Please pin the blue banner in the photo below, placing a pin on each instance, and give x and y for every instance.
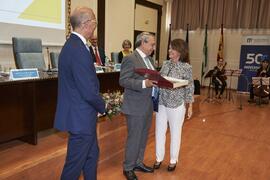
(250, 59)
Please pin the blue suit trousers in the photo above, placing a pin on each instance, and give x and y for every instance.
(82, 156)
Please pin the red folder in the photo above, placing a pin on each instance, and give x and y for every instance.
(162, 82)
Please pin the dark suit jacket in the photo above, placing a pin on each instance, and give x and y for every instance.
(101, 54)
(263, 74)
(120, 57)
(78, 89)
(137, 100)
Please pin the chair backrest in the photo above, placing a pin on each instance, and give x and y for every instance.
(54, 59)
(28, 53)
(114, 57)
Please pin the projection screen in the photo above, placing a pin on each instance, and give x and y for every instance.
(44, 19)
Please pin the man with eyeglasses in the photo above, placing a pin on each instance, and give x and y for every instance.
(78, 101)
(137, 104)
(97, 52)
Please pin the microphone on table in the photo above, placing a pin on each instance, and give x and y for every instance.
(49, 70)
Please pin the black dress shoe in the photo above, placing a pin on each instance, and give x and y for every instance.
(171, 167)
(143, 168)
(157, 165)
(130, 175)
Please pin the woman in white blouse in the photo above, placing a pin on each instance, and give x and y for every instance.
(173, 103)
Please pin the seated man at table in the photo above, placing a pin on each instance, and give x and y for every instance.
(97, 52)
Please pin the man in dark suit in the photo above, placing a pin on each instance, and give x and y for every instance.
(97, 52)
(79, 101)
(137, 104)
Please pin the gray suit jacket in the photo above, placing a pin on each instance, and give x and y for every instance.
(137, 100)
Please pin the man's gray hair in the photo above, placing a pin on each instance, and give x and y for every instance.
(79, 16)
(142, 37)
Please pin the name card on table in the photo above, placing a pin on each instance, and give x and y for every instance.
(99, 69)
(117, 67)
(22, 74)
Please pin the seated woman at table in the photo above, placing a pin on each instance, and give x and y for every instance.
(219, 78)
(126, 45)
(263, 71)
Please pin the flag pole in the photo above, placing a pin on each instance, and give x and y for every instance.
(169, 41)
(187, 40)
(220, 54)
(187, 34)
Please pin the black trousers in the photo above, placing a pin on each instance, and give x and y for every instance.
(219, 83)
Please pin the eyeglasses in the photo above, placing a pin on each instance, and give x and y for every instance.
(90, 20)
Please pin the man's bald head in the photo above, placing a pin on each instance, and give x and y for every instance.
(83, 21)
(80, 15)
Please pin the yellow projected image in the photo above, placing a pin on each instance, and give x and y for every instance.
(48, 11)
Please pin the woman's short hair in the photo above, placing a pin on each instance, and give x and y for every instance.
(181, 46)
(126, 41)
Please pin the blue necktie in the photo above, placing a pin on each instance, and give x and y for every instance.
(155, 98)
(155, 90)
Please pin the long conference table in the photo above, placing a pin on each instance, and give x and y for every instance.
(28, 106)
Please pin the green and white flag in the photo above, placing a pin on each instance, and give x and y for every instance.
(205, 54)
